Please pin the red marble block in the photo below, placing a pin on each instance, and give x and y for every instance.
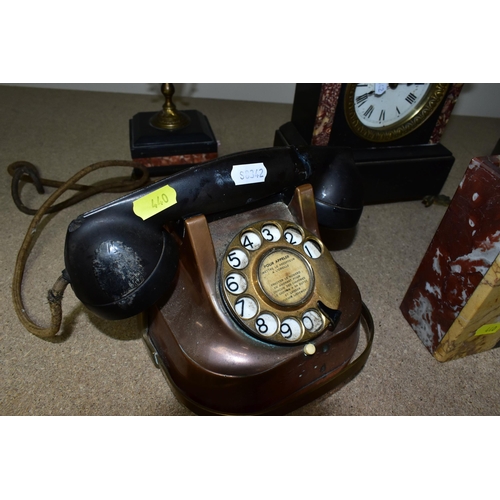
(185, 159)
(458, 259)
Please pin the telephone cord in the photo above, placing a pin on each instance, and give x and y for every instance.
(19, 170)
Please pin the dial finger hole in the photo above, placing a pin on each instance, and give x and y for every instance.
(266, 324)
(312, 320)
(250, 240)
(270, 232)
(293, 236)
(235, 283)
(312, 249)
(246, 307)
(237, 259)
(291, 329)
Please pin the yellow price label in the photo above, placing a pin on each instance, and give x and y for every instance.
(155, 202)
(488, 329)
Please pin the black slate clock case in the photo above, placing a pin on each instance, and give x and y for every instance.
(408, 168)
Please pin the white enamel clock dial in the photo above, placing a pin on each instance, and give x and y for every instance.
(383, 104)
(385, 112)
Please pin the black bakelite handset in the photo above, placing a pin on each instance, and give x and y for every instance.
(119, 258)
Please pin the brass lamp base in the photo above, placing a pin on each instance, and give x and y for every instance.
(169, 118)
(168, 121)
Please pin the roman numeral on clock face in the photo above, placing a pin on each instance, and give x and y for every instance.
(382, 115)
(368, 112)
(411, 98)
(361, 99)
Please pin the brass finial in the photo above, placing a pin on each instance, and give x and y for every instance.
(169, 118)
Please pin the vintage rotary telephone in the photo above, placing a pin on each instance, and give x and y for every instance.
(247, 311)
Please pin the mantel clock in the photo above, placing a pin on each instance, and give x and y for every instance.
(393, 129)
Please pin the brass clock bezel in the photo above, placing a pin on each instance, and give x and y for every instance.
(412, 121)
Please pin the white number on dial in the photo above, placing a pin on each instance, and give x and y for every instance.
(270, 232)
(235, 283)
(293, 236)
(312, 321)
(246, 307)
(290, 329)
(266, 324)
(250, 240)
(237, 259)
(312, 249)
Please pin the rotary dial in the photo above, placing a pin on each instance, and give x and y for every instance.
(276, 279)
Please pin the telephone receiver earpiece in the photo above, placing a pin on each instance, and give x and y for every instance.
(119, 258)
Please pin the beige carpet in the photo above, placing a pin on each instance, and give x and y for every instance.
(103, 368)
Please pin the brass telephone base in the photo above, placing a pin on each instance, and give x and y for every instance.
(213, 366)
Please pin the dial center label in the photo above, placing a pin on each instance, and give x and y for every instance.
(285, 277)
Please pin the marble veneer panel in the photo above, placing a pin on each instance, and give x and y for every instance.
(453, 301)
